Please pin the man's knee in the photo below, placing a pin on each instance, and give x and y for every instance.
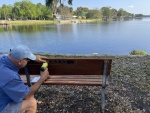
(29, 105)
(33, 102)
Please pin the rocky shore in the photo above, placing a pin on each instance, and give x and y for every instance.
(128, 91)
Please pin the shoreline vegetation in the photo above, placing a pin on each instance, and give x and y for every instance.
(37, 22)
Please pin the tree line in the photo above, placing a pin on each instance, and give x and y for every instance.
(27, 10)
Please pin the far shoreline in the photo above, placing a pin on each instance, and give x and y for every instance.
(38, 22)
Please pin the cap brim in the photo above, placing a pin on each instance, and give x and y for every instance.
(32, 57)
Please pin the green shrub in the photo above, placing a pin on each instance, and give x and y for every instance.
(83, 17)
(138, 52)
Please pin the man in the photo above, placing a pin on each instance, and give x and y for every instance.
(15, 97)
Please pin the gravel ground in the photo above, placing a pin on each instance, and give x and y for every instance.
(128, 91)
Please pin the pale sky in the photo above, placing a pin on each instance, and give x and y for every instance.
(131, 6)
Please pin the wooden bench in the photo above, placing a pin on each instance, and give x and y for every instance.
(73, 71)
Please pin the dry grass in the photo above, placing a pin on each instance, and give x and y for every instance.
(30, 22)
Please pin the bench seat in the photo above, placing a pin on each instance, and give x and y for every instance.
(88, 80)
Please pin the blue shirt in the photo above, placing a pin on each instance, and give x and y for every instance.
(12, 88)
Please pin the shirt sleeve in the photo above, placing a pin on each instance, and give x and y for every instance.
(16, 90)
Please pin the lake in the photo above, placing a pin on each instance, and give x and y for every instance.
(115, 37)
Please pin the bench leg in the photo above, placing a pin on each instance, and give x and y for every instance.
(104, 86)
(103, 100)
(27, 75)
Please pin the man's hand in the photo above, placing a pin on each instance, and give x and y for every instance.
(41, 59)
(45, 74)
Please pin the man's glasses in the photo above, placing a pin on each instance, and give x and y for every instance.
(27, 59)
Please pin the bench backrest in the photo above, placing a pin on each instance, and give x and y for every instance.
(71, 66)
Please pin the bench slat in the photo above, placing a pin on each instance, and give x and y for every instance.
(73, 83)
(70, 80)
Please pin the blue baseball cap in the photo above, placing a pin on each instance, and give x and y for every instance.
(21, 52)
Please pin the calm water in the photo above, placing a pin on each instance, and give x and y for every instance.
(116, 38)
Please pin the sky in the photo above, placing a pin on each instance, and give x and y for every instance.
(131, 6)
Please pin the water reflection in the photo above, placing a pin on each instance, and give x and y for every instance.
(26, 28)
(4, 28)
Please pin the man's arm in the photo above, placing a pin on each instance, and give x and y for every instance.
(36, 86)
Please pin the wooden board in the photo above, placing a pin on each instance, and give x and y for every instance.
(70, 67)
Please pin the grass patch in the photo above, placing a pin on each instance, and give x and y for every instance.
(31, 22)
(138, 52)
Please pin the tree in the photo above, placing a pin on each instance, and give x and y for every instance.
(4, 7)
(25, 10)
(81, 11)
(39, 10)
(53, 4)
(64, 11)
(6, 11)
(106, 12)
(94, 14)
(113, 13)
(16, 10)
(120, 12)
(1, 13)
(47, 13)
